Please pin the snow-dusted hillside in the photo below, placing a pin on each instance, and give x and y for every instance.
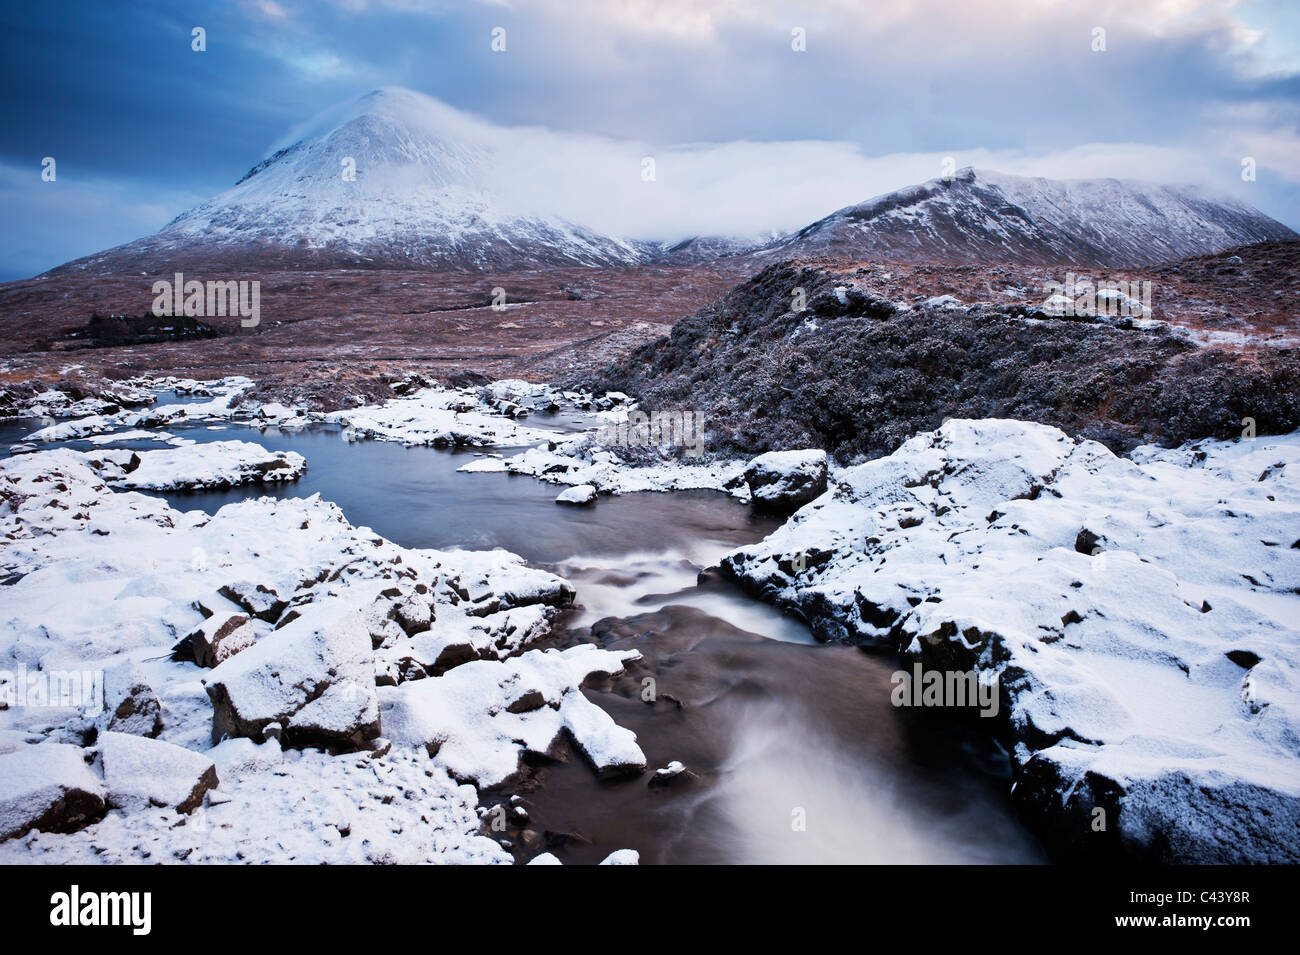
(980, 216)
(428, 191)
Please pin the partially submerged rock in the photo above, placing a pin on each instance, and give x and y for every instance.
(437, 417)
(213, 464)
(580, 495)
(674, 774)
(623, 857)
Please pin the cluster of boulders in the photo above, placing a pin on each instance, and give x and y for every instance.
(58, 786)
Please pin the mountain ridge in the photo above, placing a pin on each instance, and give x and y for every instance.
(976, 216)
(397, 179)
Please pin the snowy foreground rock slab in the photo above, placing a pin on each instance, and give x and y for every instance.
(140, 772)
(304, 619)
(47, 786)
(1142, 618)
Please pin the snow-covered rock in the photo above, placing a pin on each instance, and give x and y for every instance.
(583, 460)
(786, 479)
(122, 419)
(479, 718)
(673, 774)
(622, 857)
(218, 639)
(580, 494)
(437, 417)
(258, 599)
(110, 397)
(1152, 674)
(69, 430)
(47, 786)
(140, 772)
(315, 677)
(484, 465)
(130, 703)
(612, 749)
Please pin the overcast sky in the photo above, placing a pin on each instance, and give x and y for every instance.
(142, 127)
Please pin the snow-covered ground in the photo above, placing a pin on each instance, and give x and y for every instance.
(1142, 617)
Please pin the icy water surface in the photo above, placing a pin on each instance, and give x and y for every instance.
(797, 753)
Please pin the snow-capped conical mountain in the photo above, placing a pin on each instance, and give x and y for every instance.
(428, 191)
(979, 216)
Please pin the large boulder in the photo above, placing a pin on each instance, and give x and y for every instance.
(315, 677)
(47, 787)
(140, 772)
(479, 718)
(786, 480)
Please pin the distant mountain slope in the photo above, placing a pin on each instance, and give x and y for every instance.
(425, 194)
(980, 216)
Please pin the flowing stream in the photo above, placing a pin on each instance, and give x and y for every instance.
(794, 751)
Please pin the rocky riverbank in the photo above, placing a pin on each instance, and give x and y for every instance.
(1137, 616)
